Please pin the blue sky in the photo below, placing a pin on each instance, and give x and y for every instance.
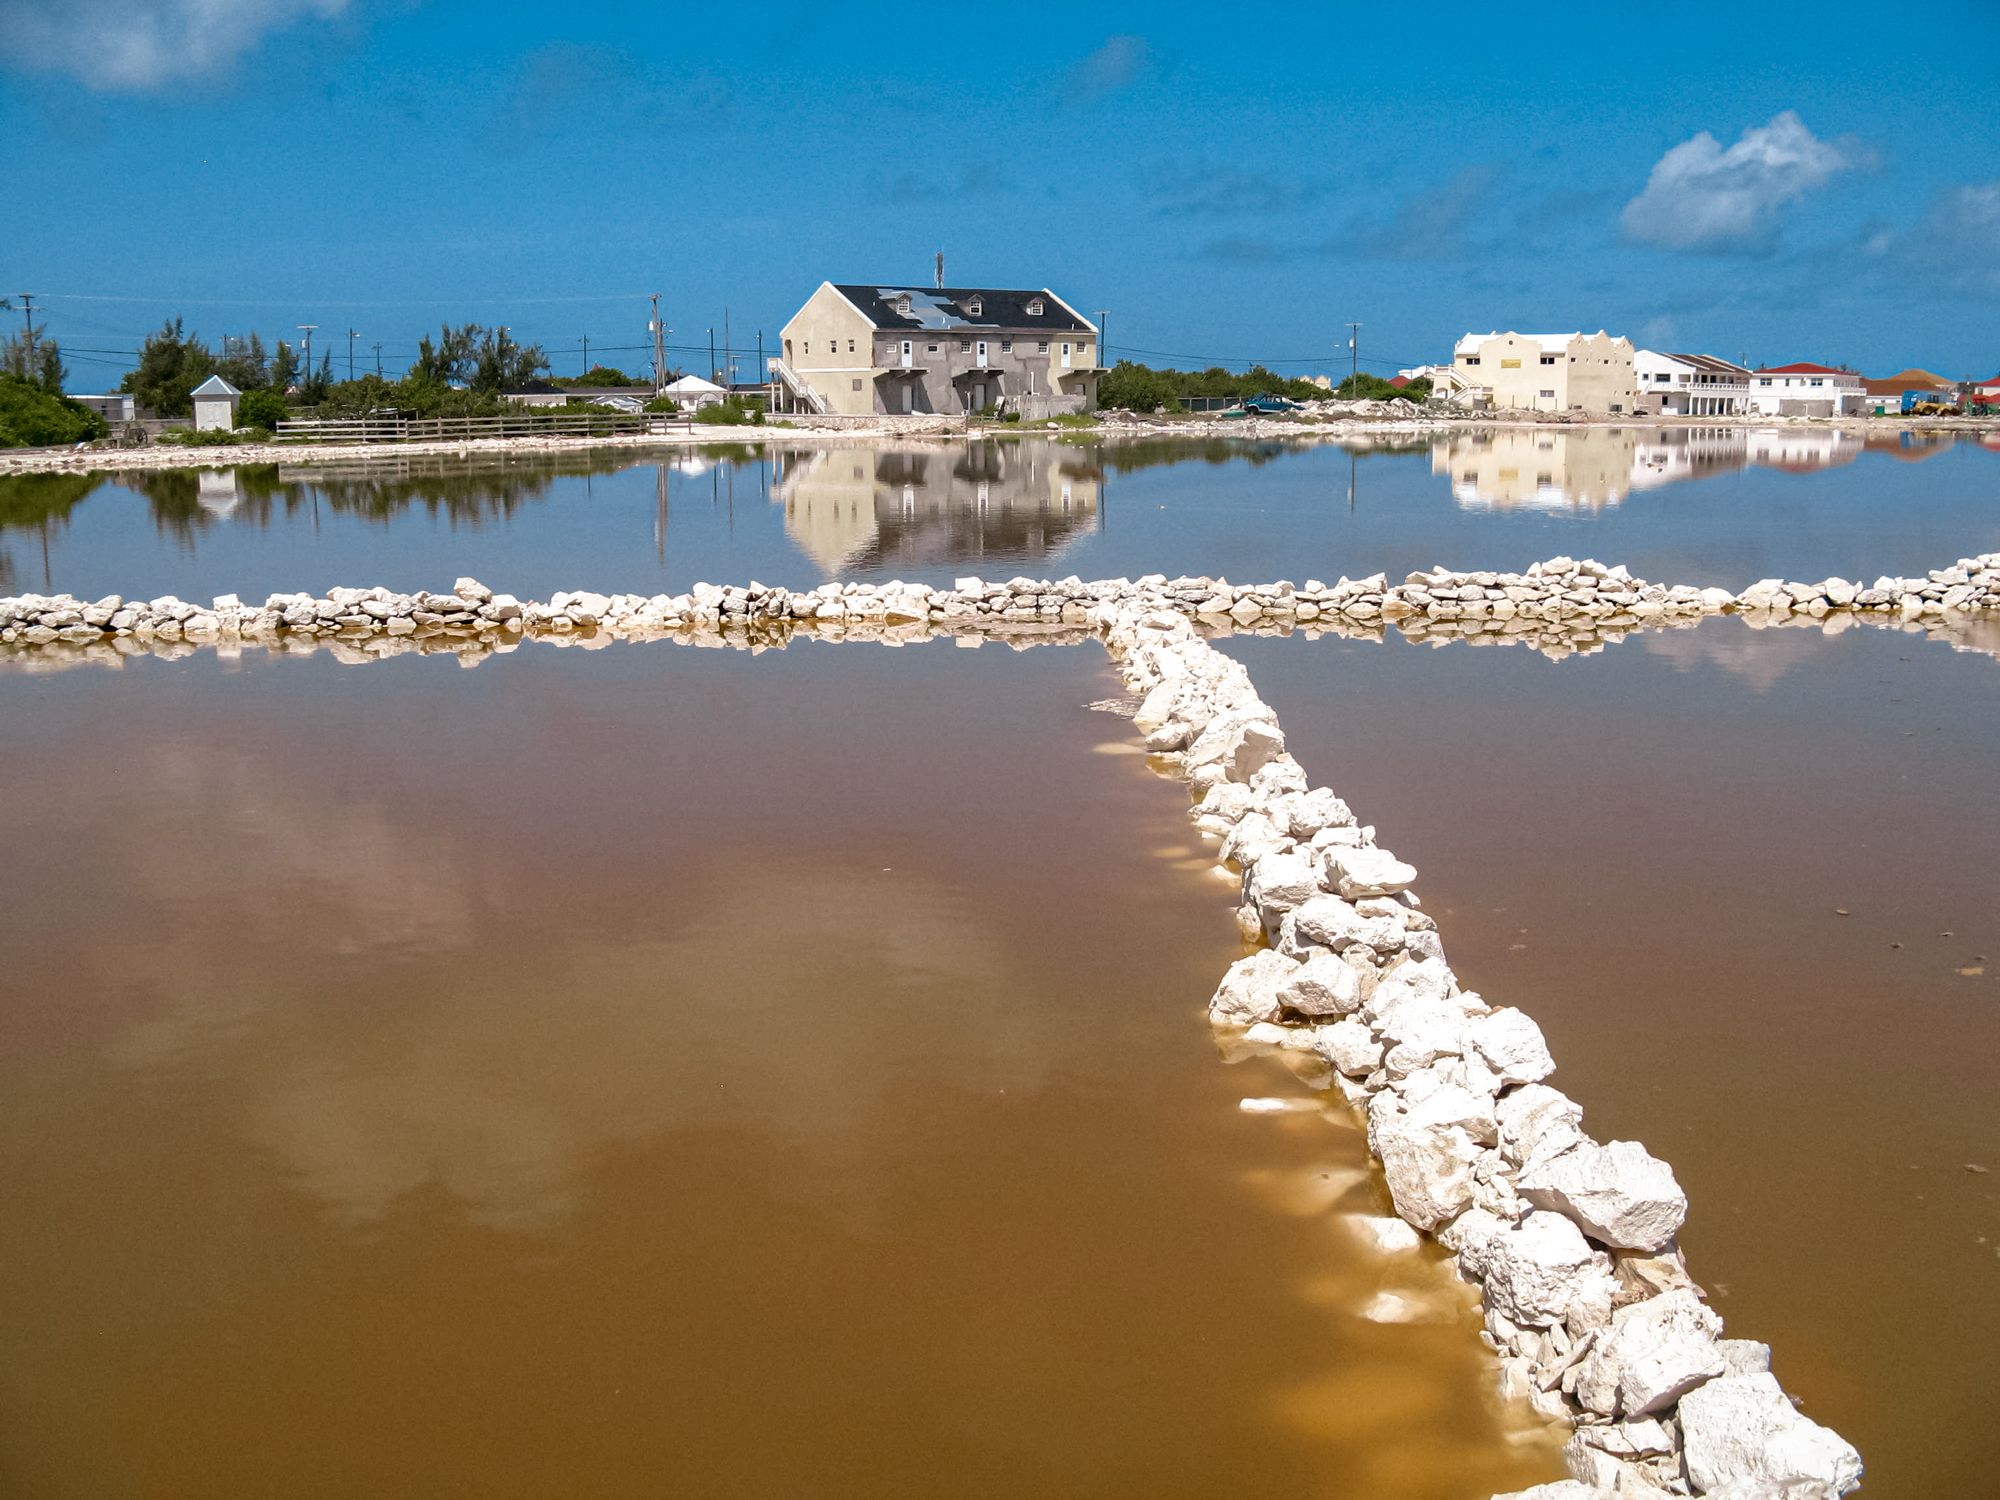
(1788, 182)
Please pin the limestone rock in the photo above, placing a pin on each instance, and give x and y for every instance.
(1742, 1430)
(1621, 1194)
(1537, 1122)
(1540, 1270)
(1429, 1171)
(1512, 1046)
(1367, 871)
(1653, 1353)
(1280, 881)
(1249, 991)
(1321, 986)
(1350, 1047)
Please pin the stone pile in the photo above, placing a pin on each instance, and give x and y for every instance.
(1562, 592)
(1571, 1243)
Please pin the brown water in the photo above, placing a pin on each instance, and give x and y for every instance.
(660, 1071)
(1749, 883)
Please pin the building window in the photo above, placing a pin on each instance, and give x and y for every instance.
(974, 307)
(932, 348)
(857, 385)
(1042, 347)
(964, 345)
(1548, 395)
(1035, 307)
(806, 347)
(1006, 346)
(850, 346)
(1472, 359)
(903, 306)
(1548, 359)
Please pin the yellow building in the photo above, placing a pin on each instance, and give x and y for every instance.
(1587, 372)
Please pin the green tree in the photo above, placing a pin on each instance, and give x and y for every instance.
(500, 364)
(284, 368)
(601, 375)
(171, 365)
(449, 360)
(32, 417)
(316, 383)
(42, 364)
(1132, 387)
(243, 363)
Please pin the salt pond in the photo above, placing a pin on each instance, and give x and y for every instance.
(514, 1069)
(1715, 507)
(1744, 880)
(659, 1070)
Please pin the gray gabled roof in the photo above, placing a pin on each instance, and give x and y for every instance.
(215, 385)
(1710, 365)
(951, 307)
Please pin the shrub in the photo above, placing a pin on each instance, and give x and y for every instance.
(663, 406)
(730, 412)
(265, 408)
(31, 417)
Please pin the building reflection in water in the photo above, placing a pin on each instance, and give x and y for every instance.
(856, 508)
(1591, 468)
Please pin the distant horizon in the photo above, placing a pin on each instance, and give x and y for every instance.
(1232, 195)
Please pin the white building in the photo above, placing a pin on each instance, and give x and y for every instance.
(691, 392)
(1691, 385)
(215, 405)
(1807, 390)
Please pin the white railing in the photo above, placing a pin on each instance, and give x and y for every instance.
(800, 389)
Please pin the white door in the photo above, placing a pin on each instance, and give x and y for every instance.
(909, 350)
(982, 354)
(1065, 356)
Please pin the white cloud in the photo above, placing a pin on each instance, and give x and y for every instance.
(1122, 61)
(1702, 197)
(142, 44)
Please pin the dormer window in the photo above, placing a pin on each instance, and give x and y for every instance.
(1035, 307)
(974, 307)
(903, 305)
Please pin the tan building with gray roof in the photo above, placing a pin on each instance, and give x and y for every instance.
(871, 349)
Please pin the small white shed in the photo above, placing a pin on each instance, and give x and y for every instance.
(215, 405)
(691, 392)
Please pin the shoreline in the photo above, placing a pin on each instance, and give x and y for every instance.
(806, 432)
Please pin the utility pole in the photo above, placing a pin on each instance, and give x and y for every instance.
(728, 355)
(307, 330)
(378, 359)
(351, 337)
(28, 318)
(711, 354)
(586, 354)
(1353, 361)
(1104, 337)
(659, 349)
(763, 375)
